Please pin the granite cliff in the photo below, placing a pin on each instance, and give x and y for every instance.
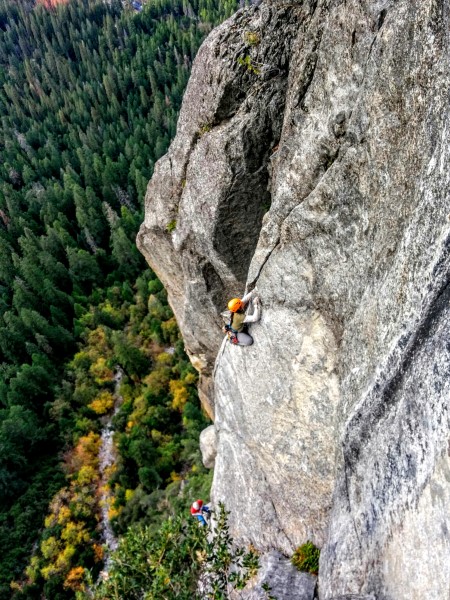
(311, 160)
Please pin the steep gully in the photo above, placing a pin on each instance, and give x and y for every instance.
(107, 458)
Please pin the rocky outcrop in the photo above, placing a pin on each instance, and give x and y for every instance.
(282, 578)
(208, 446)
(311, 160)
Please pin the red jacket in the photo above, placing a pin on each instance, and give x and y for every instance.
(198, 511)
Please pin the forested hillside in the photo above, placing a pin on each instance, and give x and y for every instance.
(89, 96)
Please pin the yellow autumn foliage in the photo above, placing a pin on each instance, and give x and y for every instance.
(16, 586)
(108, 308)
(139, 409)
(114, 512)
(86, 474)
(101, 372)
(86, 452)
(102, 403)
(98, 342)
(50, 547)
(64, 558)
(75, 580)
(50, 520)
(164, 358)
(83, 503)
(109, 471)
(75, 533)
(63, 515)
(170, 328)
(179, 393)
(190, 378)
(160, 438)
(98, 552)
(32, 571)
(49, 571)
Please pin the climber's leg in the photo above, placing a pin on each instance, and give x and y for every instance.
(244, 339)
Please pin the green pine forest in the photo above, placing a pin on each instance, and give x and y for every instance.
(89, 97)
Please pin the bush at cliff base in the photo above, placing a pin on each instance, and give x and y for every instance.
(162, 565)
(170, 563)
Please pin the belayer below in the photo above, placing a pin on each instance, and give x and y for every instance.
(237, 328)
(199, 510)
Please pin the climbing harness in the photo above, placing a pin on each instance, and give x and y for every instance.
(232, 334)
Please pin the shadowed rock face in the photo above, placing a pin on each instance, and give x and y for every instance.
(333, 426)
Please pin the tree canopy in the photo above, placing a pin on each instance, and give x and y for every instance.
(89, 97)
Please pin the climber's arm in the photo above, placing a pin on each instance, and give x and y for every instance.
(248, 297)
(256, 315)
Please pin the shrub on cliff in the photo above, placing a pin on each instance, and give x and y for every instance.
(182, 561)
(154, 566)
(227, 567)
(306, 558)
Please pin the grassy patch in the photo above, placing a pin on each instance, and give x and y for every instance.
(246, 63)
(306, 558)
(171, 225)
(252, 38)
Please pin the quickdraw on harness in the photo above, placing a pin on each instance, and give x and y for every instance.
(232, 333)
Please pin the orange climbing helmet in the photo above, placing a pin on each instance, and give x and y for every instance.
(235, 304)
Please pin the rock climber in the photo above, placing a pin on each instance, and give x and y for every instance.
(199, 510)
(237, 328)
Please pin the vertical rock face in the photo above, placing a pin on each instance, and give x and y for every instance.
(284, 580)
(206, 200)
(322, 177)
(276, 405)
